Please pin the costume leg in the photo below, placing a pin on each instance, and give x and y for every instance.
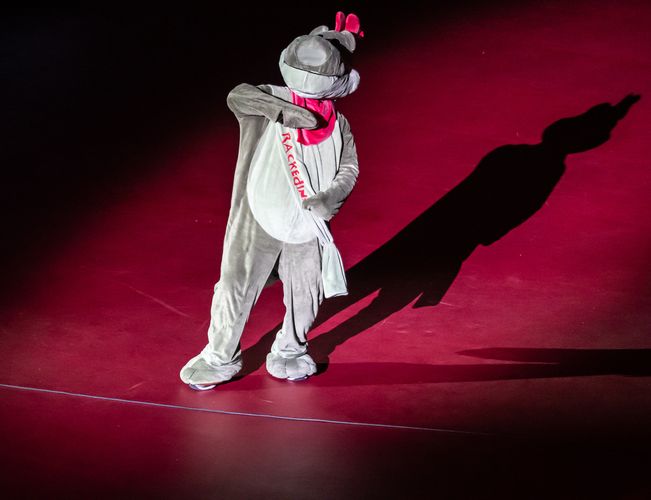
(248, 259)
(300, 271)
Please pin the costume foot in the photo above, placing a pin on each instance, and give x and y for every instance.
(201, 387)
(203, 376)
(293, 369)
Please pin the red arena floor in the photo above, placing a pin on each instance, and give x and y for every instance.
(496, 342)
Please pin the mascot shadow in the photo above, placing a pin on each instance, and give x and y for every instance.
(509, 185)
(523, 363)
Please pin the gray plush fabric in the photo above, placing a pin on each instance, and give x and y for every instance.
(199, 371)
(328, 203)
(253, 106)
(244, 273)
(343, 184)
(249, 253)
(316, 55)
(290, 368)
(271, 187)
(316, 86)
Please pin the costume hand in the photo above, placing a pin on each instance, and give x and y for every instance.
(322, 205)
(297, 117)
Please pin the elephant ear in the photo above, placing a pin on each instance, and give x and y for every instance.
(340, 21)
(349, 23)
(319, 29)
(353, 25)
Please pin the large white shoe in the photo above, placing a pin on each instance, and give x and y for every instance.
(293, 369)
(202, 376)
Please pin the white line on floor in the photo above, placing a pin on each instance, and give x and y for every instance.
(157, 300)
(242, 414)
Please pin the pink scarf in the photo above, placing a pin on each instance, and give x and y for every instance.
(326, 110)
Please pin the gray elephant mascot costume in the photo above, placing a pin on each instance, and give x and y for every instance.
(297, 164)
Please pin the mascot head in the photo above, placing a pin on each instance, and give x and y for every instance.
(589, 130)
(318, 66)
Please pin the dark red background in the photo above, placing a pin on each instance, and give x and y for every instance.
(117, 162)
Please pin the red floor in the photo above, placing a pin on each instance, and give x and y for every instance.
(526, 377)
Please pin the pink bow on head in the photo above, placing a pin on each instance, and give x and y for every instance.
(348, 22)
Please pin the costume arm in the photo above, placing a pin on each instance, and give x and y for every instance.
(346, 177)
(248, 100)
(326, 204)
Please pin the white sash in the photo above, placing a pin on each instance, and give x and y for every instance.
(332, 267)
